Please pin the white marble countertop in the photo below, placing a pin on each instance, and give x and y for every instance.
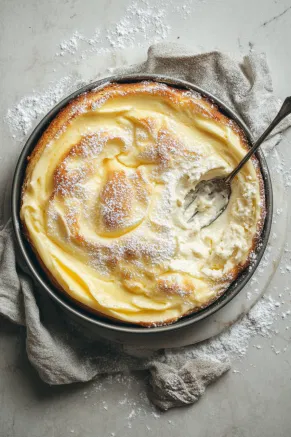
(254, 400)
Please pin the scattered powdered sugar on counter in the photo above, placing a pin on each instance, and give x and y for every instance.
(185, 9)
(21, 118)
(233, 343)
(133, 410)
(140, 23)
(150, 25)
(285, 169)
(79, 42)
(71, 45)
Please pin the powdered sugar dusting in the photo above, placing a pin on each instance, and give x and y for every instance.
(73, 44)
(141, 23)
(21, 118)
(233, 343)
(149, 25)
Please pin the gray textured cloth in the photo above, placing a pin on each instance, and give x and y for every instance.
(172, 386)
(62, 353)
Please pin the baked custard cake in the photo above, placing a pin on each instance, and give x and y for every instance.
(103, 202)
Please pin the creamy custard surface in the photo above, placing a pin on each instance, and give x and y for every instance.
(103, 202)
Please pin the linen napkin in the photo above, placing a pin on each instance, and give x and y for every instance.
(56, 346)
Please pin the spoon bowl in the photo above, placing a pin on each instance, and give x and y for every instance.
(207, 202)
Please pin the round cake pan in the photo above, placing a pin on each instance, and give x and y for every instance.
(105, 327)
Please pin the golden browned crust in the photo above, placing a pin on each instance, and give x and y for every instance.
(173, 97)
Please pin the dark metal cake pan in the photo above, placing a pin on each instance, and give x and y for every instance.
(105, 327)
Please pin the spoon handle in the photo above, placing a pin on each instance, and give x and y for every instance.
(283, 112)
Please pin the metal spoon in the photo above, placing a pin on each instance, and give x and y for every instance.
(216, 192)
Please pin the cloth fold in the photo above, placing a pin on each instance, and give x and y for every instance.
(185, 385)
(58, 349)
